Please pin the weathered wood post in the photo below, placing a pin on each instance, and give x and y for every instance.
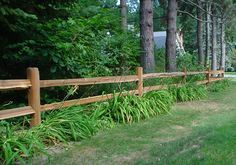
(208, 75)
(139, 72)
(185, 75)
(222, 72)
(34, 95)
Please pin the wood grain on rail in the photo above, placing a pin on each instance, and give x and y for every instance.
(195, 73)
(14, 84)
(16, 112)
(159, 87)
(216, 72)
(88, 81)
(162, 75)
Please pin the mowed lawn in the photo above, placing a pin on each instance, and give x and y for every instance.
(230, 73)
(199, 132)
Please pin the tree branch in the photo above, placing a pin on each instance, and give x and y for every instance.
(191, 15)
(196, 5)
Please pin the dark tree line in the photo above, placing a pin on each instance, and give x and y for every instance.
(91, 38)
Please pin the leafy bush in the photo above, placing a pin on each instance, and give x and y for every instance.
(230, 69)
(160, 59)
(195, 78)
(86, 40)
(188, 61)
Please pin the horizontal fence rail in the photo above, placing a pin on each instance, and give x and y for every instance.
(195, 73)
(82, 101)
(163, 75)
(33, 84)
(16, 112)
(14, 84)
(88, 81)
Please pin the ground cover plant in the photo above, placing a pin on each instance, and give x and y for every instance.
(81, 122)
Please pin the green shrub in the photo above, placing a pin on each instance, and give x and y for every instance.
(188, 61)
(230, 69)
(159, 59)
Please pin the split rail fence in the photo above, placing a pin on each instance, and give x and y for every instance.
(33, 85)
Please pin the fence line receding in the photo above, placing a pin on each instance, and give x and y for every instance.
(33, 85)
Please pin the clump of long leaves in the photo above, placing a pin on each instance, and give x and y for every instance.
(66, 125)
(128, 109)
(16, 146)
(70, 124)
(188, 92)
(218, 86)
(162, 100)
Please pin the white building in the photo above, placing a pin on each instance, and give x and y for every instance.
(160, 39)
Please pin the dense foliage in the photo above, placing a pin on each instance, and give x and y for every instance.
(64, 39)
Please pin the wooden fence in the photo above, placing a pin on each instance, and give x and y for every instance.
(33, 85)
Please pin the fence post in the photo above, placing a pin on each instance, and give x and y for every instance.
(139, 72)
(34, 95)
(208, 75)
(223, 72)
(185, 75)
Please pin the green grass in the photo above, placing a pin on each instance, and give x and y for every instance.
(231, 73)
(198, 132)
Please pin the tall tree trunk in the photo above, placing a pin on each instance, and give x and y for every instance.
(214, 40)
(208, 18)
(200, 35)
(223, 49)
(171, 36)
(123, 14)
(146, 34)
